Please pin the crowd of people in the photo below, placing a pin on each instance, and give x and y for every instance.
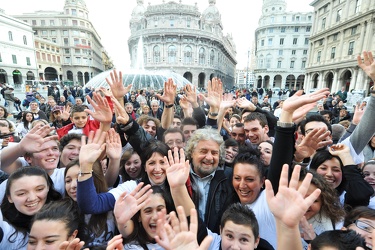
(174, 169)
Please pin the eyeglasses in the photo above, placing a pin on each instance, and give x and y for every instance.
(364, 226)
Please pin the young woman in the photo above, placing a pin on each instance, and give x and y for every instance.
(25, 125)
(368, 171)
(99, 227)
(265, 149)
(130, 166)
(54, 224)
(231, 151)
(28, 189)
(3, 112)
(338, 169)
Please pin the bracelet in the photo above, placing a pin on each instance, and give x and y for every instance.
(80, 173)
(213, 114)
(168, 106)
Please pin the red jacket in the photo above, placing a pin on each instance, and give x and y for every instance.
(91, 125)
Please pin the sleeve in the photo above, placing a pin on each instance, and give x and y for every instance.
(348, 132)
(358, 191)
(365, 129)
(90, 202)
(282, 153)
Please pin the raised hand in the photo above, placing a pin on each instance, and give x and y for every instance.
(65, 114)
(227, 101)
(35, 139)
(245, 104)
(115, 243)
(191, 95)
(121, 116)
(177, 235)
(290, 204)
(103, 112)
(113, 144)
(368, 64)
(342, 151)
(75, 244)
(358, 113)
(169, 93)
(127, 205)
(307, 229)
(214, 93)
(178, 171)
(94, 147)
(116, 85)
(311, 142)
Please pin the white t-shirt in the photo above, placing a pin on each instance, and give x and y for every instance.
(127, 186)
(18, 240)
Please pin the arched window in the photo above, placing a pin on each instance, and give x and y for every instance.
(10, 35)
(24, 40)
(212, 57)
(202, 56)
(156, 54)
(144, 55)
(172, 54)
(188, 55)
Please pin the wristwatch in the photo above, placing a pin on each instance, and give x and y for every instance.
(80, 173)
(285, 124)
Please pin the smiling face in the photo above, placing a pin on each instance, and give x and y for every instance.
(79, 119)
(366, 235)
(70, 152)
(133, 166)
(29, 194)
(235, 236)
(48, 235)
(331, 171)
(47, 158)
(255, 132)
(230, 153)
(155, 168)
(148, 215)
(205, 157)
(29, 117)
(316, 206)
(369, 174)
(247, 182)
(150, 127)
(71, 178)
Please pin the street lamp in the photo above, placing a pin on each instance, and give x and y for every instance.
(247, 69)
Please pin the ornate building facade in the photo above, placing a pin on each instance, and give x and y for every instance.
(281, 46)
(342, 29)
(78, 51)
(179, 38)
(17, 53)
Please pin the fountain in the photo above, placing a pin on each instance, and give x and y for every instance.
(139, 77)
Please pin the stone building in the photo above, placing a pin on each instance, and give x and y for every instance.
(281, 46)
(17, 53)
(71, 33)
(342, 29)
(177, 37)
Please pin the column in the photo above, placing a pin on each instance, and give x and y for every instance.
(341, 44)
(362, 37)
(320, 83)
(353, 79)
(361, 80)
(307, 82)
(345, 13)
(335, 82)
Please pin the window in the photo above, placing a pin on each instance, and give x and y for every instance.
(296, 29)
(67, 51)
(53, 32)
(48, 47)
(284, 19)
(309, 18)
(171, 21)
(77, 51)
(64, 22)
(335, 37)
(282, 29)
(270, 30)
(323, 23)
(82, 23)
(156, 23)
(212, 58)
(156, 54)
(292, 64)
(172, 54)
(10, 35)
(52, 22)
(278, 64)
(281, 41)
(295, 40)
(65, 33)
(188, 55)
(67, 60)
(319, 55)
(303, 65)
(280, 52)
(80, 13)
(43, 22)
(308, 29)
(321, 42)
(66, 41)
(202, 56)
(272, 19)
(44, 33)
(75, 23)
(14, 58)
(333, 52)
(262, 43)
(43, 56)
(74, 12)
(357, 6)
(306, 41)
(351, 48)
(76, 41)
(293, 52)
(24, 40)
(338, 15)
(269, 41)
(305, 51)
(33, 22)
(354, 30)
(78, 60)
(188, 22)
(297, 18)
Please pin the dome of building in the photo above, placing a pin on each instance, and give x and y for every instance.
(211, 13)
(139, 10)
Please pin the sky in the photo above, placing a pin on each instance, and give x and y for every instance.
(111, 20)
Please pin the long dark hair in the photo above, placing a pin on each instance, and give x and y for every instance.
(25, 122)
(19, 221)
